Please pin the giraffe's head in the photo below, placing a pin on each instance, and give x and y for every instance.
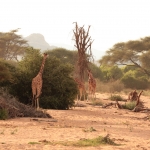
(45, 55)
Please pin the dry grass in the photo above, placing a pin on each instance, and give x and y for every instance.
(10, 107)
(110, 87)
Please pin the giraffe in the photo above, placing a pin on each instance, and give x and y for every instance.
(37, 84)
(91, 85)
(81, 89)
(133, 96)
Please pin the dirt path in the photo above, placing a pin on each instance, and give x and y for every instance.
(130, 129)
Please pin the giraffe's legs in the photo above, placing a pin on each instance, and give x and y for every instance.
(89, 93)
(37, 100)
(33, 101)
(37, 97)
(34, 91)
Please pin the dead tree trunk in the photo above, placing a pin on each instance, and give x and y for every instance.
(83, 44)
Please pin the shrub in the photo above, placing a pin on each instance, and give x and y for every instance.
(132, 82)
(59, 89)
(95, 142)
(129, 105)
(116, 97)
(3, 114)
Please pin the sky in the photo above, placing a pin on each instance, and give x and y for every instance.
(111, 21)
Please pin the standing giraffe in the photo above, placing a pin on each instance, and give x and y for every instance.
(91, 85)
(81, 89)
(37, 84)
(133, 96)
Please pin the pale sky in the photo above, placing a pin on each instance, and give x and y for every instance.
(111, 21)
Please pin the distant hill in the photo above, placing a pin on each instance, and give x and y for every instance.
(37, 41)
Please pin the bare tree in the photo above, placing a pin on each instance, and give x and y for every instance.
(83, 43)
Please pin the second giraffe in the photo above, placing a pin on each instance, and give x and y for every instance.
(91, 85)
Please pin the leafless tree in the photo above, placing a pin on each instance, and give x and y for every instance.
(83, 43)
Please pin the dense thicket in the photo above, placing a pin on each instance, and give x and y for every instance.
(59, 89)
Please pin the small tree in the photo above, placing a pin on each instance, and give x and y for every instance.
(65, 56)
(111, 73)
(11, 45)
(134, 53)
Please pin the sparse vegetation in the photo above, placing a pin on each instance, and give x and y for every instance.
(129, 105)
(109, 87)
(91, 129)
(82, 142)
(116, 98)
(33, 143)
(14, 131)
(2, 132)
(97, 103)
(94, 142)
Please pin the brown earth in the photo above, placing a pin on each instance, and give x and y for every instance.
(129, 129)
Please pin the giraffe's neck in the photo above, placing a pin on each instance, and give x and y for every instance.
(42, 67)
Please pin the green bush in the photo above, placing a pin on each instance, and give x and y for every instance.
(7, 69)
(95, 142)
(111, 73)
(3, 114)
(116, 98)
(59, 89)
(129, 105)
(134, 83)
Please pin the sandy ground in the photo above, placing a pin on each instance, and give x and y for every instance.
(130, 129)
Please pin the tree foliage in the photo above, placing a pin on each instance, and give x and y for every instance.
(7, 72)
(11, 45)
(132, 79)
(111, 73)
(5, 75)
(64, 55)
(134, 53)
